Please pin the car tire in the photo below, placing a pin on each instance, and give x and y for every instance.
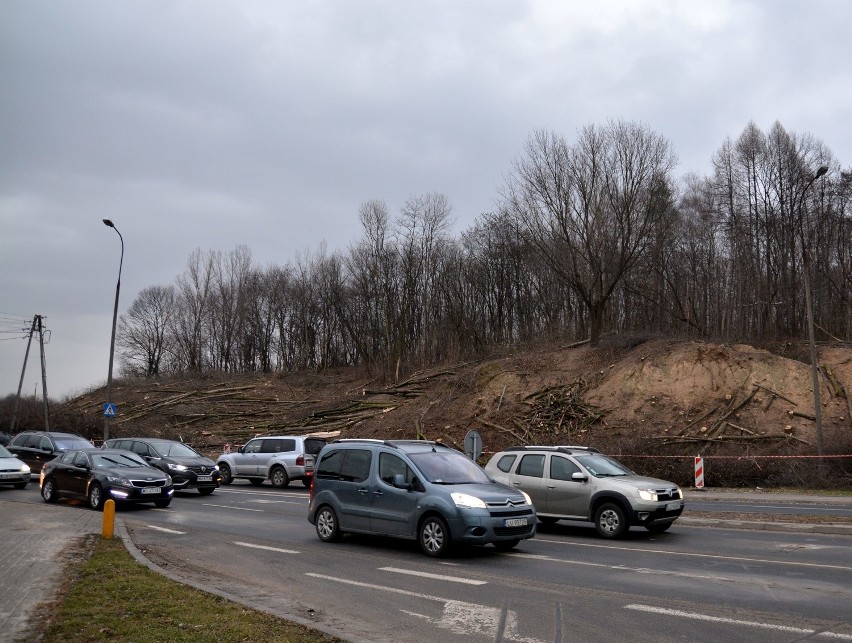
(21, 485)
(256, 481)
(48, 490)
(610, 520)
(225, 472)
(506, 545)
(96, 497)
(279, 478)
(206, 491)
(434, 537)
(659, 527)
(328, 529)
(162, 504)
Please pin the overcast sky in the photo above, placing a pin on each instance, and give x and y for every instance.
(267, 123)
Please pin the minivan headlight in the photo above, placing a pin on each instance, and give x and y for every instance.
(466, 501)
(648, 494)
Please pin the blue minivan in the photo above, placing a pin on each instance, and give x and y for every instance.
(417, 490)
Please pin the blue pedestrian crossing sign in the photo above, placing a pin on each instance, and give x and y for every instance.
(109, 410)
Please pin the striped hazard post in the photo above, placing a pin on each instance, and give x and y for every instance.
(699, 472)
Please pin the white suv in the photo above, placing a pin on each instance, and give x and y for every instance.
(580, 483)
(277, 458)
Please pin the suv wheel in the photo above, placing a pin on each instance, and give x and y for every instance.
(48, 490)
(610, 520)
(225, 472)
(434, 537)
(326, 523)
(279, 478)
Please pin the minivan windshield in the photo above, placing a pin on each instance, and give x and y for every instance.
(448, 467)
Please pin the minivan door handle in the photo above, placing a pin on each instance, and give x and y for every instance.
(362, 491)
(378, 492)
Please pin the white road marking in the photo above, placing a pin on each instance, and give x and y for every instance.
(267, 548)
(168, 531)
(249, 492)
(695, 555)
(451, 579)
(733, 621)
(458, 617)
(229, 507)
(276, 502)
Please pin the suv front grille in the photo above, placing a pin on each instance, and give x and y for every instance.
(667, 494)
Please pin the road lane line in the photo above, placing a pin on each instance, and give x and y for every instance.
(734, 621)
(207, 504)
(451, 579)
(266, 547)
(168, 531)
(792, 563)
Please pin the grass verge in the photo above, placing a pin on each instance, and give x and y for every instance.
(108, 596)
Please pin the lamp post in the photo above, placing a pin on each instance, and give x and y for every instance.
(107, 418)
(806, 266)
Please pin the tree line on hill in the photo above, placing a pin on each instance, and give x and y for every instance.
(590, 236)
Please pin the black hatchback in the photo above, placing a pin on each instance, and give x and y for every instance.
(98, 475)
(37, 447)
(187, 468)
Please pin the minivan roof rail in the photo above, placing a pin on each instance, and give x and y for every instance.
(390, 443)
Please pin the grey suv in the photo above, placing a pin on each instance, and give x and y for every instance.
(580, 483)
(417, 490)
(278, 458)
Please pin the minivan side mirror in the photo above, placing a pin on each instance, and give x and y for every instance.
(579, 476)
(400, 483)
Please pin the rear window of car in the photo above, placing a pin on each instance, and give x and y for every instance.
(505, 463)
(314, 445)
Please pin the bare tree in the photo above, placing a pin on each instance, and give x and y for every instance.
(592, 210)
(143, 330)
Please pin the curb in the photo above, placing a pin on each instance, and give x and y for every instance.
(755, 525)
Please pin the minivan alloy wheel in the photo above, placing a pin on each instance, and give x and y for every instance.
(434, 536)
(327, 528)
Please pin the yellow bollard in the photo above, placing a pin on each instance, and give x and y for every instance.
(109, 519)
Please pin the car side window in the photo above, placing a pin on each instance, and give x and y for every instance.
(80, 460)
(20, 440)
(141, 448)
(67, 458)
(329, 466)
(391, 465)
(531, 465)
(44, 444)
(288, 445)
(356, 465)
(123, 444)
(271, 446)
(253, 446)
(505, 463)
(562, 468)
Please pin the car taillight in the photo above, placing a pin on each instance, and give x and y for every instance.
(300, 461)
(311, 490)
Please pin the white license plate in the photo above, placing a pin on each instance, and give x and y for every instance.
(205, 478)
(515, 522)
(672, 506)
(4, 476)
(151, 489)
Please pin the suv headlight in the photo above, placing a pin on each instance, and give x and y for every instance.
(648, 494)
(176, 467)
(466, 501)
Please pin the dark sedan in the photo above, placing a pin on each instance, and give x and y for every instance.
(187, 468)
(97, 475)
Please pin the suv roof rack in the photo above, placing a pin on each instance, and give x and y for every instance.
(391, 443)
(561, 448)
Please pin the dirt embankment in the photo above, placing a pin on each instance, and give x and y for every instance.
(654, 397)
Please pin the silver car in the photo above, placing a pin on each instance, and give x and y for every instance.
(12, 470)
(277, 458)
(580, 483)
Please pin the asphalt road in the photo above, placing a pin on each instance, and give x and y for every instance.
(565, 584)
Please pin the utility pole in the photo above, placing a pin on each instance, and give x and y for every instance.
(37, 325)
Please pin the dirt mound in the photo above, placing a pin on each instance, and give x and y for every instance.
(646, 397)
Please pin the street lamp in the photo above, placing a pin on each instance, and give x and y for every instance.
(107, 417)
(806, 266)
